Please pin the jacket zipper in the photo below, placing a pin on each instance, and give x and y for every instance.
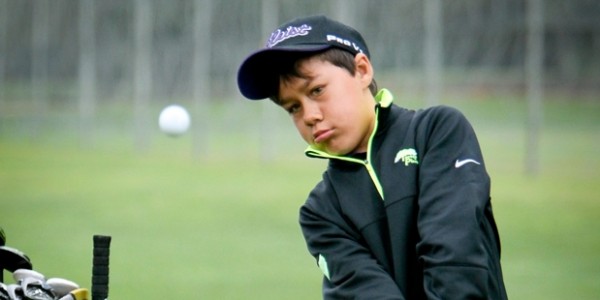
(374, 178)
(367, 162)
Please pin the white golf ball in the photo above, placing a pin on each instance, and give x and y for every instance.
(174, 120)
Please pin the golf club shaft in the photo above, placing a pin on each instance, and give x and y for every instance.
(2, 243)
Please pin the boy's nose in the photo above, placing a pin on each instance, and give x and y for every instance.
(312, 113)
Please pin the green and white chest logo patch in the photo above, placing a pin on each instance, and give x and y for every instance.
(407, 156)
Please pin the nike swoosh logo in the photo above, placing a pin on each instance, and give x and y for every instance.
(460, 163)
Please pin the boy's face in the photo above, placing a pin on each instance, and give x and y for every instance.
(332, 109)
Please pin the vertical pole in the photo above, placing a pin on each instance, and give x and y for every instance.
(344, 11)
(142, 71)
(534, 69)
(433, 51)
(87, 71)
(201, 75)
(268, 133)
(39, 63)
(3, 59)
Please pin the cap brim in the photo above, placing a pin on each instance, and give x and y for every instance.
(257, 76)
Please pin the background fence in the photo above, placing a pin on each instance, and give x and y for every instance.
(65, 62)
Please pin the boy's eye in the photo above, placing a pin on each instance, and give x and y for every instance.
(291, 109)
(316, 91)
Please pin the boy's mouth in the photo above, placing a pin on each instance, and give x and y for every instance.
(321, 135)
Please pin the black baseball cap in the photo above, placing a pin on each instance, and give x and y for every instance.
(256, 76)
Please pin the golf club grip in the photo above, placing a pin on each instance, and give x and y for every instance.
(100, 268)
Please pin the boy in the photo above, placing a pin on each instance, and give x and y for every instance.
(403, 210)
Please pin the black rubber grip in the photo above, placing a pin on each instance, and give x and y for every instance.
(101, 261)
(101, 289)
(100, 268)
(102, 241)
(99, 280)
(101, 252)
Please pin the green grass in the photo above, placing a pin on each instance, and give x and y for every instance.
(224, 226)
(180, 227)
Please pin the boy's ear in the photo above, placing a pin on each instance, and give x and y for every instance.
(364, 69)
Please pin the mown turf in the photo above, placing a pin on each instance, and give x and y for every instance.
(224, 225)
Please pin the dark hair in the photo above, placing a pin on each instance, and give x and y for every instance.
(289, 68)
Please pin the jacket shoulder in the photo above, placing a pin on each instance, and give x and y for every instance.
(432, 114)
(439, 112)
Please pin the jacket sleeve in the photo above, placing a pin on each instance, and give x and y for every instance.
(454, 247)
(350, 270)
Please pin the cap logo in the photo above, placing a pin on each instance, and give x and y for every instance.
(279, 35)
(347, 43)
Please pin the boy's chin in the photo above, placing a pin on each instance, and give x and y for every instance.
(331, 150)
(335, 152)
(322, 148)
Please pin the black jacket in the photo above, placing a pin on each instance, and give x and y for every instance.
(412, 218)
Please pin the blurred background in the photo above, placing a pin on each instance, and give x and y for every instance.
(213, 213)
